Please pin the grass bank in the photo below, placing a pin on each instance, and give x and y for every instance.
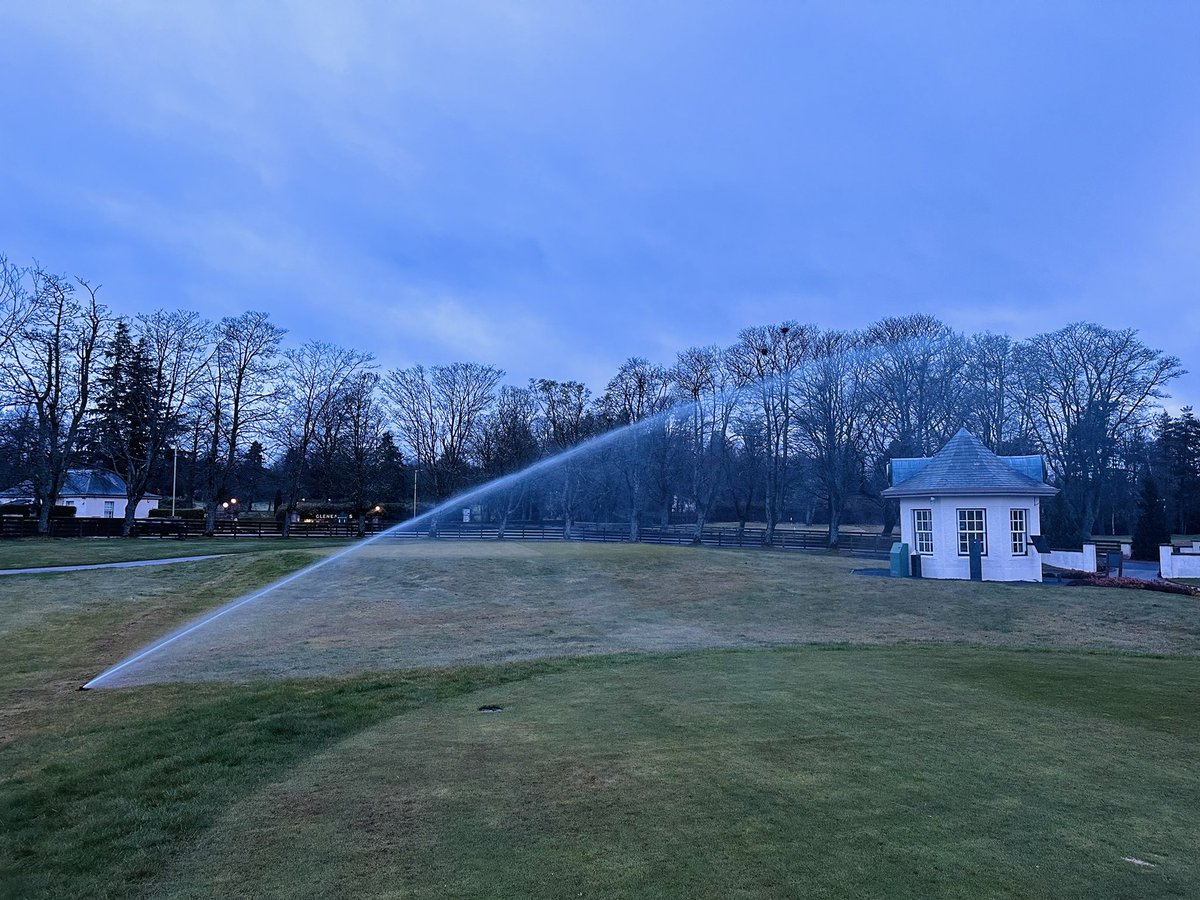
(909, 769)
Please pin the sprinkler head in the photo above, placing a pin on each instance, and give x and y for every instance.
(83, 687)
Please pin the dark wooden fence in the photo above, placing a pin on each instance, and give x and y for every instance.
(14, 527)
(598, 532)
(680, 535)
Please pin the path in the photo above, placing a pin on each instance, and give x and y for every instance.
(46, 570)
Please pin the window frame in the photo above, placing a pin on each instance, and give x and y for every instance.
(1023, 532)
(964, 536)
(918, 532)
(110, 509)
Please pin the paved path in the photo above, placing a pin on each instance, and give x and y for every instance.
(116, 565)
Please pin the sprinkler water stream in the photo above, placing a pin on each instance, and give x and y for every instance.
(598, 444)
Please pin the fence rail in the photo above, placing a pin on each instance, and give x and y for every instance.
(593, 532)
(617, 532)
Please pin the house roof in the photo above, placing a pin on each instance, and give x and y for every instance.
(82, 483)
(966, 467)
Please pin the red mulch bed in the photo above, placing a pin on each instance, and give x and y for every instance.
(1136, 584)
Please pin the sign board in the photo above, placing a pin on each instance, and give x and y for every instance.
(467, 514)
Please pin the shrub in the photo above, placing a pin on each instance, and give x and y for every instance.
(28, 511)
(191, 514)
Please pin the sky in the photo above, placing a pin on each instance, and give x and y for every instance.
(552, 187)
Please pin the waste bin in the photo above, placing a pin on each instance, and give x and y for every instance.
(899, 560)
(915, 561)
(1115, 563)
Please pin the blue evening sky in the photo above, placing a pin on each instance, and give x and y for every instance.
(552, 187)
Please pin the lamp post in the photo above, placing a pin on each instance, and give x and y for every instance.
(174, 480)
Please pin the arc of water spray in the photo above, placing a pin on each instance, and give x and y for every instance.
(592, 445)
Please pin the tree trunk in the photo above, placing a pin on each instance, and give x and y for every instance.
(835, 521)
(130, 515)
(44, 516)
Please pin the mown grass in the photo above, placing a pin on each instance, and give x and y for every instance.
(37, 552)
(915, 770)
(932, 772)
(437, 603)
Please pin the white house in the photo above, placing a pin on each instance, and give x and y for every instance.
(966, 493)
(95, 493)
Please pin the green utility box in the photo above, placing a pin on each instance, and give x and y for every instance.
(900, 560)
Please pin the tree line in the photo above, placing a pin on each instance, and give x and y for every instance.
(789, 422)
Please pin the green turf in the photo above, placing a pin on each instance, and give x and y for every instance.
(915, 770)
(855, 773)
(36, 552)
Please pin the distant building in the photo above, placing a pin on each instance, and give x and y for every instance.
(95, 493)
(966, 493)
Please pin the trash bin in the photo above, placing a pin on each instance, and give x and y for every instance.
(915, 561)
(1115, 563)
(899, 560)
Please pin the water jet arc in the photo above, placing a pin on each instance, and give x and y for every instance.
(596, 444)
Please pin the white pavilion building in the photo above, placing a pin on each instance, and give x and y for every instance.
(963, 494)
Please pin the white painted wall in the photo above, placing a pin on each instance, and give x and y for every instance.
(999, 564)
(1083, 560)
(1177, 565)
(93, 507)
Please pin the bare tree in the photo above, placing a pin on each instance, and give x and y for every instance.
(506, 444)
(149, 381)
(50, 362)
(437, 412)
(769, 357)
(350, 445)
(638, 393)
(236, 398)
(16, 302)
(1084, 388)
(919, 387)
(706, 383)
(314, 378)
(563, 421)
(996, 416)
(834, 417)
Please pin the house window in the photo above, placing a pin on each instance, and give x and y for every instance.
(1020, 531)
(108, 508)
(923, 530)
(972, 526)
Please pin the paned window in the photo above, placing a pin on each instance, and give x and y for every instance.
(972, 526)
(1020, 531)
(923, 530)
(108, 508)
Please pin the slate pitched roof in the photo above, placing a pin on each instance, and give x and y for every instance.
(965, 467)
(82, 483)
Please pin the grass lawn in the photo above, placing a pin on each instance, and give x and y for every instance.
(904, 769)
(36, 552)
(409, 603)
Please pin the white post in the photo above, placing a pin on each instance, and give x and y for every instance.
(1089, 558)
(174, 480)
(1166, 568)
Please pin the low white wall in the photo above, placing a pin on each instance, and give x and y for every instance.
(1177, 565)
(1082, 560)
